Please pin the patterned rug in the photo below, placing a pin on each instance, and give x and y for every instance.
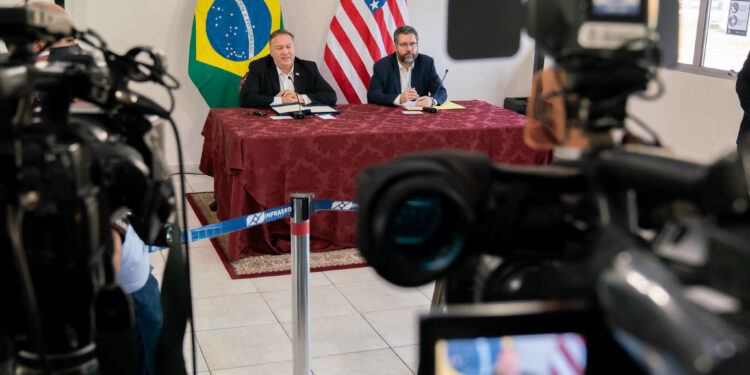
(268, 265)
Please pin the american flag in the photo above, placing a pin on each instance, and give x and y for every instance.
(360, 34)
(570, 356)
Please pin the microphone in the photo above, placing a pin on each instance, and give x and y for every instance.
(432, 109)
(299, 114)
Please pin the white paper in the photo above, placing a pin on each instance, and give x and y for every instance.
(319, 108)
(287, 107)
(412, 105)
(313, 108)
(412, 112)
(327, 117)
(281, 117)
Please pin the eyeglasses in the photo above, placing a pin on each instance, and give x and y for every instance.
(407, 45)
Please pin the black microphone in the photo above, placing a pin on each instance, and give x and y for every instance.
(299, 114)
(432, 109)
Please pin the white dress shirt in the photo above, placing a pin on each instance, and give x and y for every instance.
(285, 83)
(405, 74)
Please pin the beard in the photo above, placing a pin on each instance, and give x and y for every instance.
(407, 58)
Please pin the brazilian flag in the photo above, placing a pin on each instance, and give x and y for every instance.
(227, 35)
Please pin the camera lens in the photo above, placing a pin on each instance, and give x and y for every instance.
(418, 213)
(416, 230)
(422, 228)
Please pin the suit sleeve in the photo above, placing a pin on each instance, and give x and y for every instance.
(743, 85)
(251, 95)
(321, 91)
(433, 83)
(375, 91)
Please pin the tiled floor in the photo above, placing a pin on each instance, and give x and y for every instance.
(360, 324)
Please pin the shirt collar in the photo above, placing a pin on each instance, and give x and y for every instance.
(281, 74)
(404, 70)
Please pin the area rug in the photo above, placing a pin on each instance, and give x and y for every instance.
(267, 265)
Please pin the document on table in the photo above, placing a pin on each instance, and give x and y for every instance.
(327, 117)
(412, 112)
(315, 109)
(412, 106)
(450, 105)
(281, 117)
(283, 109)
(321, 109)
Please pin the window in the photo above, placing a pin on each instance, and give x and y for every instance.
(714, 36)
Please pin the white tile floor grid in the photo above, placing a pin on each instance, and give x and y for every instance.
(361, 324)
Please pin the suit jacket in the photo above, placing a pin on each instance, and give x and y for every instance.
(743, 92)
(262, 83)
(385, 84)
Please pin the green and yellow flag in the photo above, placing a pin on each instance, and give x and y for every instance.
(227, 35)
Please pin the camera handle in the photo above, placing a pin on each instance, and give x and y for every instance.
(667, 324)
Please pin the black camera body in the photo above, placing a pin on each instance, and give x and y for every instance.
(570, 27)
(608, 48)
(71, 171)
(566, 233)
(590, 231)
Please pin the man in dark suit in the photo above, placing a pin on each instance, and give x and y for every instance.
(275, 78)
(743, 92)
(406, 75)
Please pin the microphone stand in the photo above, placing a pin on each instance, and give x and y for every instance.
(298, 114)
(432, 109)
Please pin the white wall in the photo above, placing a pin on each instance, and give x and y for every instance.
(697, 116)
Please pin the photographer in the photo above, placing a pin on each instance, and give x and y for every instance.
(131, 263)
(130, 256)
(73, 171)
(743, 92)
(53, 51)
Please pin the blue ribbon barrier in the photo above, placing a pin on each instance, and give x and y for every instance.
(267, 216)
(336, 205)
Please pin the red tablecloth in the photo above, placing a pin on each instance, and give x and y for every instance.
(257, 162)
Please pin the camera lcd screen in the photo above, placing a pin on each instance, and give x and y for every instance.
(616, 8)
(521, 337)
(551, 353)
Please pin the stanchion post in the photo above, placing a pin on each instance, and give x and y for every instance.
(302, 208)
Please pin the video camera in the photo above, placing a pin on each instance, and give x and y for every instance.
(71, 170)
(624, 261)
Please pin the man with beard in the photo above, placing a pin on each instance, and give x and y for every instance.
(406, 75)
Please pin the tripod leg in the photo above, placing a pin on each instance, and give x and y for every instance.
(438, 297)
